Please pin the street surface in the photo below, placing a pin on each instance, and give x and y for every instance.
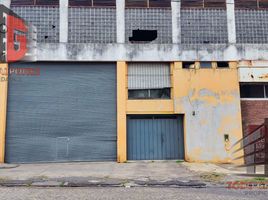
(33, 193)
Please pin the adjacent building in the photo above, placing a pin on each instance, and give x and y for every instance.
(137, 80)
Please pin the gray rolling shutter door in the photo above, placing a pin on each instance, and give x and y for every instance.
(68, 113)
(155, 138)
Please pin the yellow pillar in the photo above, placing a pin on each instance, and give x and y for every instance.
(3, 108)
(121, 111)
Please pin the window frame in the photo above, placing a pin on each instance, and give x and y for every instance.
(34, 3)
(147, 5)
(149, 94)
(258, 5)
(265, 90)
(202, 4)
(92, 5)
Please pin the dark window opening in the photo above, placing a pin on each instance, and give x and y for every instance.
(136, 3)
(251, 4)
(35, 2)
(205, 65)
(263, 4)
(188, 65)
(80, 3)
(222, 64)
(203, 4)
(160, 3)
(143, 35)
(254, 91)
(148, 3)
(149, 94)
(94, 3)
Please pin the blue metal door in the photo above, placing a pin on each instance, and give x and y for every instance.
(155, 137)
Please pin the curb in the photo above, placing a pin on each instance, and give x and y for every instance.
(127, 184)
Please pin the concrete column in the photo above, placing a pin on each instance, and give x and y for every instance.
(5, 3)
(121, 111)
(176, 21)
(230, 9)
(64, 21)
(120, 21)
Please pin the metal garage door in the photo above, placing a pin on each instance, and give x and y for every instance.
(68, 113)
(155, 138)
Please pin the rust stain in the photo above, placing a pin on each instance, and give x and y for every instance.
(264, 76)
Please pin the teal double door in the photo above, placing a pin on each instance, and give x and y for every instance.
(155, 137)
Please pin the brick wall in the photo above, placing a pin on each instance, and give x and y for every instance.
(253, 113)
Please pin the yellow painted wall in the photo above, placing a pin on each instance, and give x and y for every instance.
(208, 99)
(150, 107)
(3, 108)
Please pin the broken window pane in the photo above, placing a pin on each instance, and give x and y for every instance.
(188, 65)
(252, 91)
(143, 35)
(222, 64)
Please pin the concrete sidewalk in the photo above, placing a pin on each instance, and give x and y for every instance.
(111, 174)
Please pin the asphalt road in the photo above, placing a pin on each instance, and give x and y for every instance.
(30, 193)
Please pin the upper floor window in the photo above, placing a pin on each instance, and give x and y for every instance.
(148, 3)
(34, 2)
(92, 3)
(149, 81)
(203, 3)
(251, 4)
(249, 90)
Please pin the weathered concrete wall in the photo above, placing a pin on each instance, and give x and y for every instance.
(210, 100)
(150, 52)
(253, 71)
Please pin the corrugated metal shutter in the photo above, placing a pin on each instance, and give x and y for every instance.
(148, 76)
(155, 138)
(68, 113)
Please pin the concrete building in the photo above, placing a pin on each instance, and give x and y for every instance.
(137, 80)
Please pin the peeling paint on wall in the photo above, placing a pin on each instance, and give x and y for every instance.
(210, 101)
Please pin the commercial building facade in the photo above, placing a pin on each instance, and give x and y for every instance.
(137, 80)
